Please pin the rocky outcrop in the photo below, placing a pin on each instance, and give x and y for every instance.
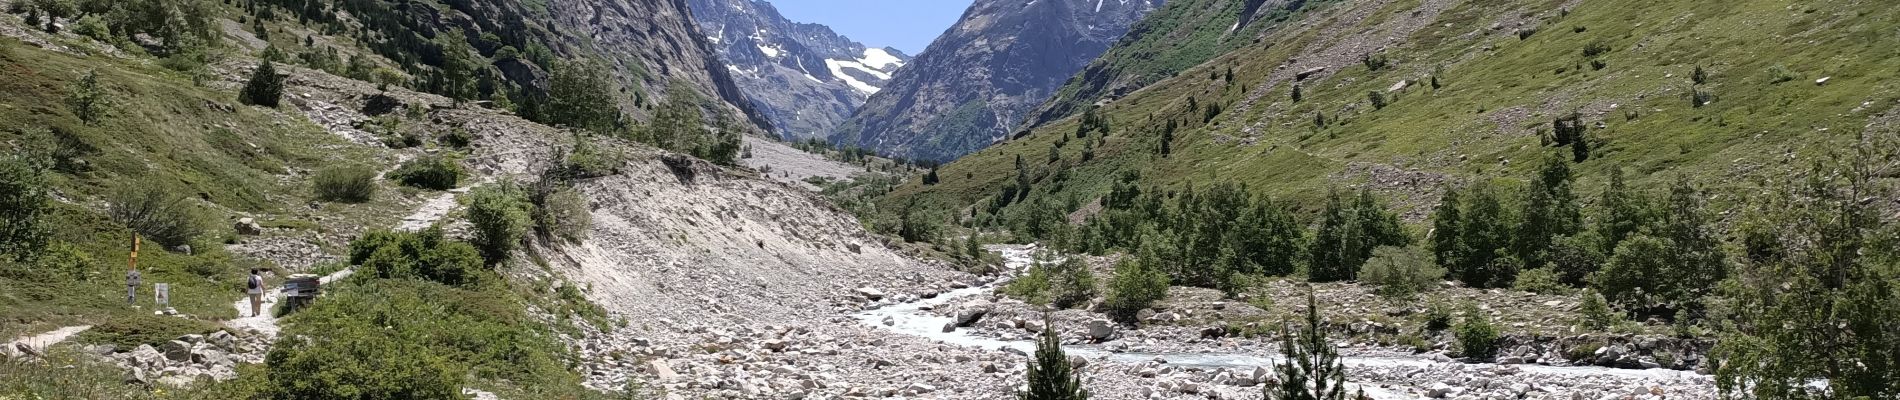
(651, 44)
(803, 77)
(984, 74)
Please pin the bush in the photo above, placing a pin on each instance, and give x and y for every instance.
(1540, 281)
(265, 88)
(1595, 48)
(349, 184)
(418, 255)
(1437, 316)
(1072, 285)
(1401, 272)
(1134, 287)
(23, 200)
(1378, 99)
(159, 214)
(126, 332)
(1780, 73)
(435, 172)
(359, 361)
(561, 212)
(1596, 312)
(88, 99)
(1031, 287)
(1477, 338)
(500, 216)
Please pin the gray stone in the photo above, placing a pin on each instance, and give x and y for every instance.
(176, 350)
(871, 293)
(662, 370)
(1101, 329)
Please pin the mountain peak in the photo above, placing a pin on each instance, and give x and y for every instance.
(804, 77)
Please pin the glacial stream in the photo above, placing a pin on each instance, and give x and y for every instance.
(915, 319)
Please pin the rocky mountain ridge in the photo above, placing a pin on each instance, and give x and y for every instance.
(803, 77)
(981, 77)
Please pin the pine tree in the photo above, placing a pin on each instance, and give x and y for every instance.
(87, 98)
(1624, 212)
(265, 88)
(1448, 231)
(1312, 369)
(1550, 211)
(1051, 377)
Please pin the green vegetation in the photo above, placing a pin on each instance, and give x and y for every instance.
(1477, 337)
(1347, 235)
(160, 214)
(265, 88)
(348, 184)
(1050, 375)
(1135, 286)
(416, 255)
(1814, 295)
(1400, 271)
(23, 204)
(500, 214)
(560, 210)
(434, 172)
(1071, 285)
(88, 99)
(1311, 369)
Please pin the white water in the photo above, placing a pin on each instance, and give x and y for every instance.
(912, 319)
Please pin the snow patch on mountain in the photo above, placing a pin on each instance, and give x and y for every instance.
(837, 69)
(880, 59)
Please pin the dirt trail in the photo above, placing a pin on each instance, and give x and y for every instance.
(39, 343)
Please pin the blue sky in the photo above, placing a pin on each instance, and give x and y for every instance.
(907, 25)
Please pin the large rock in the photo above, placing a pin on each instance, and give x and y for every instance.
(969, 315)
(662, 370)
(1101, 329)
(147, 356)
(248, 227)
(871, 293)
(176, 350)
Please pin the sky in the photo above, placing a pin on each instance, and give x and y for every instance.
(907, 25)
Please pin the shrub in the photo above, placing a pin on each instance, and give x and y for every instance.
(1780, 73)
(23, 200)
(88, 99)
(1031, 287)
(1477, 338)
(1595, 48)
(1377, 99)
(1596, 312)
(1134, 287)
(125, 332)
(1072, 285)
(359, 361)
(93, 27)
(265, 88)
(418, 255)
(1437, 316)
(437, 172)
(561, 212)
(349, 184)
(1540, 281)
(499, 214)
(161, 215)
(1401, 272)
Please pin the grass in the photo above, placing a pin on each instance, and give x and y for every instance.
(1462, 130)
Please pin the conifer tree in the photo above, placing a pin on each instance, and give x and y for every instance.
(1051, 377)
(1550, 211)
(1311, 369)
(264, 88)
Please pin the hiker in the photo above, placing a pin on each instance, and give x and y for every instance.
(256, 290)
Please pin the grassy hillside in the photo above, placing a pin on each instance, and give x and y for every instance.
(1504, 71)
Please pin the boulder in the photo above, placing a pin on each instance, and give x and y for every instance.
(950, 326)
(248, 227)
(871, 293)
(1101, 329)
(969, 315)
(147, 356)
(1440, 390)
(662, 370)
(176, 350)
(774, 345)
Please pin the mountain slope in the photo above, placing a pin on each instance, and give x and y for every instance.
(804, 78)
(1777, 79)
(978, 79)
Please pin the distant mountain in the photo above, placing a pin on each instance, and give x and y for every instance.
(985, 74)
(804, 78)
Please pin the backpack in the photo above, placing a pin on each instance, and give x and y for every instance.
(254, 282)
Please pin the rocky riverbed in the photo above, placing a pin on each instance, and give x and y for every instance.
(914, 349)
